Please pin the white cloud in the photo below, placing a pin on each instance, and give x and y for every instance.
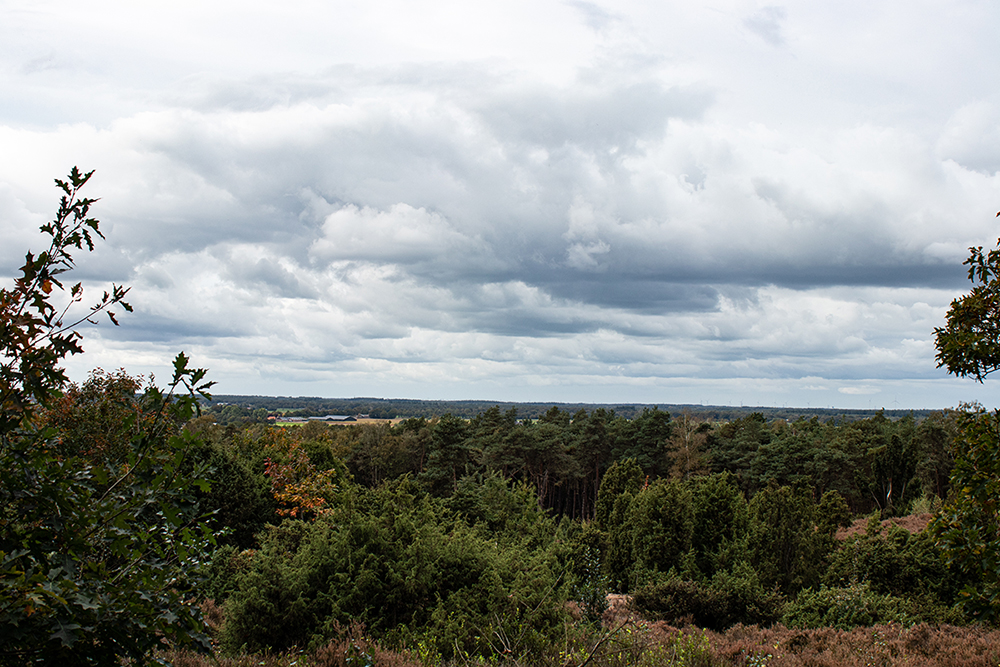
(400, 234)
(859, 390)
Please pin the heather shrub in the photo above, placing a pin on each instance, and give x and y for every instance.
(882, 645)
(631, 644)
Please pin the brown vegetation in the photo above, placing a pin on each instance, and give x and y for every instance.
(914, 523)
(627, 640)
(883, 645)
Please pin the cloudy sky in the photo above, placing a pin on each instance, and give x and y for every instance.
(661, 202)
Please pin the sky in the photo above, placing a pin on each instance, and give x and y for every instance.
(724, 203)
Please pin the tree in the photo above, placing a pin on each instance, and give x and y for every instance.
(969, 343)
(99, 541)
(33, 336)
(613, 515)
(93, 419)
(623, 476)
(449, 455)
(791, 537)
(967, 525)
(688, 444)
(662, 526)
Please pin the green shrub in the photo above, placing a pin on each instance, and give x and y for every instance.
(101, 525)
(661, 527)
(397, 561)
(720, 519)
(791, 537)
(731, 597)
(857, 605)
(894, 562)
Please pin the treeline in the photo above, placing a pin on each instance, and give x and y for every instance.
(393, 408)
(875, 464)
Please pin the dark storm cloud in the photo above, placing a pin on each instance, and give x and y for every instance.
(158, 328)
(629, 293)
(400, 186)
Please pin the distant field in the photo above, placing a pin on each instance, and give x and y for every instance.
(366, 420)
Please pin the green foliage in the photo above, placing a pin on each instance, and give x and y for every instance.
(590, 583)
(893, 460)
(34, 338)
(101, 530)
(662, 528)
(239, 498)
(730, 598)
(858, 605)
(623, 476)
(894, 562)
(448, 457)
(502, 511)
(645, 439)
(969, 343)
(720, 522)
(99, 418)
(100, 559)
(591, 589)
(619, 559)
(788, 544)
(227, 415)
(395, 560)
(967, 527)
(735, 444)
(376, 452)
(934, 437)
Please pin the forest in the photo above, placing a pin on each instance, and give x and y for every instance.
(136, 529)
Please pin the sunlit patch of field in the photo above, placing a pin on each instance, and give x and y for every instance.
(365, 420)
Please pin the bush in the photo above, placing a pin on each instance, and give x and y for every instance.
(394, 559)
(857, 605)
(731, 598)
(894, 562)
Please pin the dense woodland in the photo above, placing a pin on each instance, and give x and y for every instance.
(874, 463)
(133, 530)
